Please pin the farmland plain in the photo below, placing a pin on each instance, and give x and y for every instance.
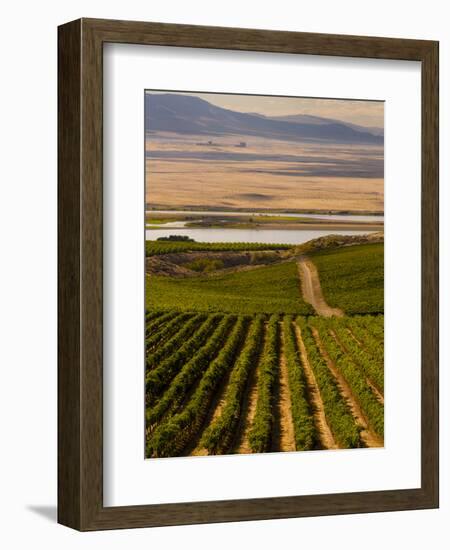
(307, 176)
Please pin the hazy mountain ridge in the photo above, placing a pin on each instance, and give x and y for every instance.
(312, 119)
(185, 114)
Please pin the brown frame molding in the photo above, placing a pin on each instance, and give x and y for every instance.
(80, 273)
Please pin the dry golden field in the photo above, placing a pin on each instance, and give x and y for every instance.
(185, 171)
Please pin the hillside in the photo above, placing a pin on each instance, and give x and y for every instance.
(185, 114)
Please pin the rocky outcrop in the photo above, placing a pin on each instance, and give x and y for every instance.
(337, 241)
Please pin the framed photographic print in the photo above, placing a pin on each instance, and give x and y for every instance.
(248, 274)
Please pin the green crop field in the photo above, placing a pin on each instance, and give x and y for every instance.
(352, 278)
(155, 248)
(238, 362)
(193, 358)
(267, 289)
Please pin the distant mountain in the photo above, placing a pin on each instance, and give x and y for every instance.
(191, 115)
(372, 129)
(306, 119)
(310, 119)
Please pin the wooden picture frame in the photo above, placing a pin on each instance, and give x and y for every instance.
(80, 272)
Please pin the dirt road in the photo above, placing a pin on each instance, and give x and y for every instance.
(312, 291)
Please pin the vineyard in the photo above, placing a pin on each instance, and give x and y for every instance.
(156, 248)
(268, 289)
(213, 383)
(352, 278)
(249, 357)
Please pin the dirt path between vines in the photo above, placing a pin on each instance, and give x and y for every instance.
(369, 382)
(374, 356)
(217, 404)
(325, 434)
(242, 445)
(368, 437)
(215, 411)
(312, 291)
(283, 434)
(376, 391)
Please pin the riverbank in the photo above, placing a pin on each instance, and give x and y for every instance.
(317, 226)
(313, 226)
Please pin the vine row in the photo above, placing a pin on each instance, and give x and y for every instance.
(260, 434)
(191, 371)
(219, 436)
(304, 429)
(171, 437)
(371, 407)
(158, 378)
(337, 411)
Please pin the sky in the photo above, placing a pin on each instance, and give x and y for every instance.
(365, 113)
